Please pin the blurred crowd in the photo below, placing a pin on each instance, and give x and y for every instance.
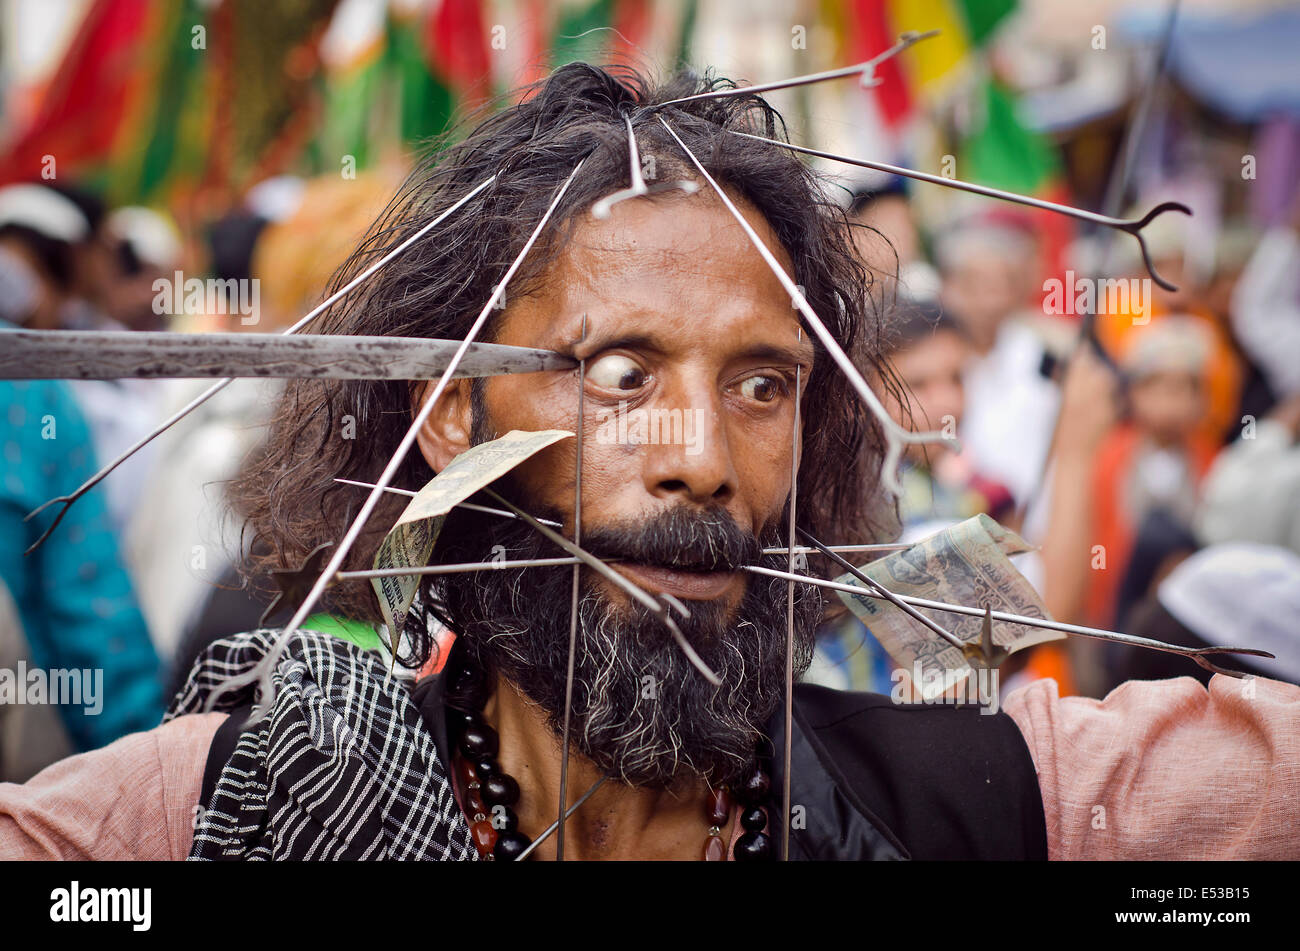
(142, 570)
(1149, 454)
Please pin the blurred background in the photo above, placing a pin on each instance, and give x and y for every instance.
(1144, 440)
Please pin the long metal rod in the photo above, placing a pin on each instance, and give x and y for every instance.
(866, 70)
(573, 604)
(264, 670)
(1132, 226)
(789, 617)
(217, 387)
(849, 549)
(472, 566)
(896, 437)
(555, 825)
(121, 355)
(1195, 653)
(778, 550)
(460, 505)
(460, 568)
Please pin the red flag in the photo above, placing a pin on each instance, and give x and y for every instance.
(90, 95)
(870, 34)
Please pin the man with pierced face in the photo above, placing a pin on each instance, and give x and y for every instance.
(679, 325)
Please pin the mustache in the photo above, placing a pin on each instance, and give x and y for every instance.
(681, 538)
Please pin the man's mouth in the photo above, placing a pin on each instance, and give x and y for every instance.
(689, 584)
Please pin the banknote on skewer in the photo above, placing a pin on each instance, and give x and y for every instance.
(410, 541)
(967, 564)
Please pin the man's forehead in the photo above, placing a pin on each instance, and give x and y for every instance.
(666, 268)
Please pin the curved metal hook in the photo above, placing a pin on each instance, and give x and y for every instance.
(1135, 229)
(1132, 226)
(1198, 655)
(602, 208)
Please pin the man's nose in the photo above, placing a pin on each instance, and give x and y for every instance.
(696, 465)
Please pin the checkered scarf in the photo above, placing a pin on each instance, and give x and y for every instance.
(342, 768)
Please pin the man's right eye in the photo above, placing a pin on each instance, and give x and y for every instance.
(617, 372)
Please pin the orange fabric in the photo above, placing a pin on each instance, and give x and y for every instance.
(133, 799)
(1052, 662)
(1167, 769)
(1113, 524)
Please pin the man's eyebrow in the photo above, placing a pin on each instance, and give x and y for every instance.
(595, 343)
(802, 355)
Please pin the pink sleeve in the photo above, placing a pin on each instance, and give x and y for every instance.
(1167, 769)
(133, 799)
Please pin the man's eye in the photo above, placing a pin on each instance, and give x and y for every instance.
(764, 389)
(617, 372)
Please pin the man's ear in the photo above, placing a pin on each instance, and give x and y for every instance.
(446, 433)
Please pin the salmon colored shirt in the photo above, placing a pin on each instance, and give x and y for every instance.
(1158, 770)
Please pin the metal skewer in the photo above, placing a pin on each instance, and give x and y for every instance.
(1132, 226)
(1195, 653)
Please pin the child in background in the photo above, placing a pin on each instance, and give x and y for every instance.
(928, 351)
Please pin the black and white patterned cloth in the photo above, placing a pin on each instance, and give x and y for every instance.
(344, 766)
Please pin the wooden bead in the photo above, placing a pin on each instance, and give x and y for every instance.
(715, 850)
(719, 807)
(468, 774)
(485, 837)
(474, 800)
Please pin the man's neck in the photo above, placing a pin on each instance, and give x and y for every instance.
(617, 822)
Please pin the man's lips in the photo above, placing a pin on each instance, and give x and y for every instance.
(679, 582)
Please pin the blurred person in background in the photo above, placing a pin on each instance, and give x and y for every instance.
(928, 351)
(889, 242)
(1251, 493)
(285, 240)
(75, 606)
(988, 267)
(1169, 243)
(114, 265)
(1155, 460)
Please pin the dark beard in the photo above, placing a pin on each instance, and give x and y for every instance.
(641, 711)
